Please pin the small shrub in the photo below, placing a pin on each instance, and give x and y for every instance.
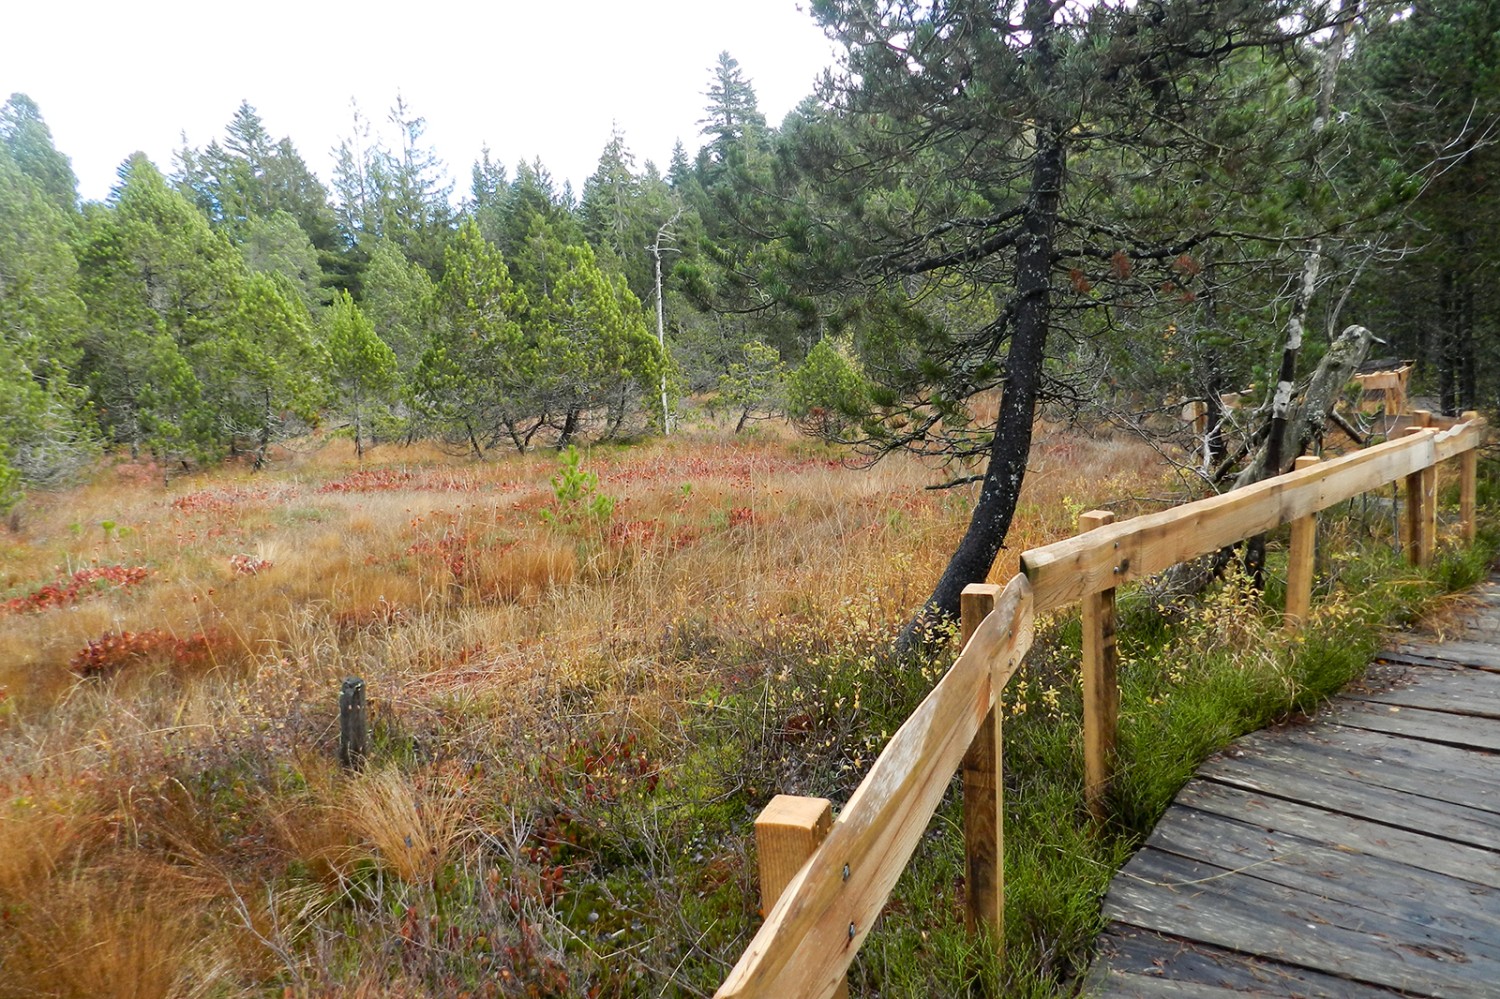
(115, 651)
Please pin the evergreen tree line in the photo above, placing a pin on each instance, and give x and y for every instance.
(1145, 186)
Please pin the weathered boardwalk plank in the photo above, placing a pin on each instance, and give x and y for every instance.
(1354, 856)
(1432, 726)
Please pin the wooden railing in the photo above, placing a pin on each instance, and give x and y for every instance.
(824, 880)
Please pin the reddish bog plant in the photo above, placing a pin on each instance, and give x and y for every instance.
(80, 585)
(603, 767)
(248, 565)
(217, 502)
(373, 480)
(116, 650)
(451, 549)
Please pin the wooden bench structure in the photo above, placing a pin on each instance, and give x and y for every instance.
(1384, 391)
(845, 867)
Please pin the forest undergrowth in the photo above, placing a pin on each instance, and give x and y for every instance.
(587, 673)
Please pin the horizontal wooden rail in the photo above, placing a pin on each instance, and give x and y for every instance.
(1090, 565)
(1065, 572)
(818, 922)
(809, 938)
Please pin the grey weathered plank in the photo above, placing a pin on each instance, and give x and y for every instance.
(1352, 797)
(1152, 987)
(1481, 618)
(1346, 833)
(1480, 655)
(1442, 772)
(1464, 761)
(1356, 855)
(1407, 659)
(1387, 886)
(1292, 927)
(1464, 692)
(1435, 726)
(1143, 954)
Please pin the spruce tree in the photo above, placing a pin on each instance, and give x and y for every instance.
(733, 114)
(362, 370)
(29, 142)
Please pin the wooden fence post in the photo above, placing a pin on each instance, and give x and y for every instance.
(1300, 560)
(984, 818)
(1101, 684)
(1468, 484)
(1428, 481)
(354, 723)
(1421, 507)
(788, 831)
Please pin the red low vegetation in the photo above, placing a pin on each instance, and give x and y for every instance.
(80, 585)
(116, 650)
(217, 501)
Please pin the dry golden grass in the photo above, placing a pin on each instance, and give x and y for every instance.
(412, 828)
(180, 790)
(111, 934)
(38, 838)
(759, 530)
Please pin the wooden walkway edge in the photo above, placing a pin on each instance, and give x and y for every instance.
(1357, 855)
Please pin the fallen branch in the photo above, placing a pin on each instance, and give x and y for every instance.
(966, 480)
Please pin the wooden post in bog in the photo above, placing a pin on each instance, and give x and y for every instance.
(354, 723)
(1300, 561)
(787, 832)
(1101, 685)
(1429, 515)
(1468, 483)
(984, 823)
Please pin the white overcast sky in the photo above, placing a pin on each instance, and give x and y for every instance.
(527, 78)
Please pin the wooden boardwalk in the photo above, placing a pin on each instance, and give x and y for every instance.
(1357, 855)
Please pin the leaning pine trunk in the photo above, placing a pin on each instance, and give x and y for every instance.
(570, 427)
(981, 543)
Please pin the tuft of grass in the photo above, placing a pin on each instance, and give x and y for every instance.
(413, 827)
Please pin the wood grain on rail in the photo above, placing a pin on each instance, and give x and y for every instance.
(1069, 570)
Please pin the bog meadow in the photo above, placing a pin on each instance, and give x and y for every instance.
(633, 507)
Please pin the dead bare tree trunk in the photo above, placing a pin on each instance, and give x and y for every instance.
(1307, 413)
(1305, 423)
(1274, 457)
(661, 325)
